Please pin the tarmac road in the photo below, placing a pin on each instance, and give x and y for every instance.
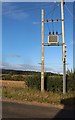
(20, 110)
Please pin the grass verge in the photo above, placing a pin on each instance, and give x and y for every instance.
(18, 91)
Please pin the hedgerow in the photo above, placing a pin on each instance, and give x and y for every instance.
(54, 84)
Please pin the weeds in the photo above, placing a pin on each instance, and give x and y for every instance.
(28, 94)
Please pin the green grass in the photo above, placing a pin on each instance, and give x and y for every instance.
(27, 94)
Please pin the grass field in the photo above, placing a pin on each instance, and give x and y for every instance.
(17, 90)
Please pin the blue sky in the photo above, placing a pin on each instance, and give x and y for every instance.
(74, 36)
(21, 36)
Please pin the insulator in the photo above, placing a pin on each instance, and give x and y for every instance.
(64, 3)
(49, 33)
(56, 33)
(53, 32)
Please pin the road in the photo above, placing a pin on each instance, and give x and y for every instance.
(20, 110)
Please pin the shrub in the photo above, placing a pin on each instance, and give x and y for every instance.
(14, 77)
(6, 77)
(52, 83)
(18, 77)
(70, 85)
(33, 82)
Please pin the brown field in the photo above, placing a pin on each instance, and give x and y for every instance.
(7, 83)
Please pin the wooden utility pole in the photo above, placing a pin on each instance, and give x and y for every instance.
(63, 48)
(42, 62)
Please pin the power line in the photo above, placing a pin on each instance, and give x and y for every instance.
(48, 26)
(69, 11)
(50, 5)
(52, 16)
(50, 12)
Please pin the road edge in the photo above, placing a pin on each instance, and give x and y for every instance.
(33, 103)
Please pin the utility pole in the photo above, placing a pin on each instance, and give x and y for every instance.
(42, 62)
(63, 48)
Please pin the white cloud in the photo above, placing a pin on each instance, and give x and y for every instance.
(14, 10)
(19, 15)
(14, 56)
(27, 67)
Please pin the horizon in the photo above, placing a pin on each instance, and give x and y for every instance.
(31, 71)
